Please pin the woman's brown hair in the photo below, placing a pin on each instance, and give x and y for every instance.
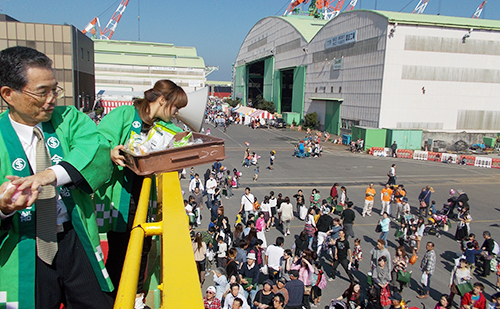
(173, 94)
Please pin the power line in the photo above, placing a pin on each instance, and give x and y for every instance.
(111, 6)
(406, 5)
(281, 10)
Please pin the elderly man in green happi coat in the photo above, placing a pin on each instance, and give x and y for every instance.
(51, 159)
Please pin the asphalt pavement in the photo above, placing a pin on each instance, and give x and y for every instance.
(355, 171)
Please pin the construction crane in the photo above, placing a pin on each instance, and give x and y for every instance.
(294, 4)
(328, 11)
(479, 10)
(351, 5)
(110, 28)
(419, 9)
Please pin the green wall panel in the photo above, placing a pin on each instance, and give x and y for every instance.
(332, 117)
(405, 139)
(299, 84)
(277, 91)
(373, 137)
(241, 83)
(268, 79)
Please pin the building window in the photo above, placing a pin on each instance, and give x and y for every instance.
(340, 89)
(88, 55)
(316, 89)
(331, 89)
(81, 52)
(349, 123)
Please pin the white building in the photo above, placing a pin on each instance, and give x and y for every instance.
(125, 69)
(376, 69)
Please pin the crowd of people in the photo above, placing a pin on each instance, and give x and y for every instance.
(252, 271)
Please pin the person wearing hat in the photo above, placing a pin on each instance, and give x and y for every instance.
(249, 276)
(395, 301)
(210, 301)
(280, 288)
(296, 291)
(264, 297)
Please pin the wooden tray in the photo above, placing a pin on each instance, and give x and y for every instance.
(211, 150)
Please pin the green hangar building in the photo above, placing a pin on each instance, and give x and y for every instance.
(375, 69)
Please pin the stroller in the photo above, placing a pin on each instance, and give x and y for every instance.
(337, 304)
(435, 224)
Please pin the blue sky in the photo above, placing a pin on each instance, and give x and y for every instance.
(215, 27)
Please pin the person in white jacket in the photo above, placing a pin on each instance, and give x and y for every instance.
(196, 183)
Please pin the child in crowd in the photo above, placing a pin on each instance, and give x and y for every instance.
(271, 159)
(432, 208)
(221, 252)
(256, 175)
(236, 178)
(191, 174)
(318, 282)
(357, 254)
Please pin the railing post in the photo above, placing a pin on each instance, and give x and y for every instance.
(181, 286)
(127, 288)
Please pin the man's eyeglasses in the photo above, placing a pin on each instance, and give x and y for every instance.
(46, 97)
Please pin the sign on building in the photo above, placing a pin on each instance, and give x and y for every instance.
(342, 39)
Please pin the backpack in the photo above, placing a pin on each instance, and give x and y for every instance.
(321, 283)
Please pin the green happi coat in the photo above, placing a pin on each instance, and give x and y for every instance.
(112, 201)
(72, 137)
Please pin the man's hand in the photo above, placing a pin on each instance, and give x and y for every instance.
(6, 205)
(34, 182)
(116, 157)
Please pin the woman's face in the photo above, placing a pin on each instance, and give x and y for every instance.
(356, 288)
(381, 263)
(400, 253)
(444, 301)
(267, 287)
(232, 279)
(166, 112)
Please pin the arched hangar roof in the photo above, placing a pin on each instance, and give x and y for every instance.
(307, 26)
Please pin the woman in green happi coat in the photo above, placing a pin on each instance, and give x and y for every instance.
(116, 202)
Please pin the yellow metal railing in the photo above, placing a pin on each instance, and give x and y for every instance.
(180, 287)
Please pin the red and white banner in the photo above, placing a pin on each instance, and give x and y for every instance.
(110, 105)
(262, 114)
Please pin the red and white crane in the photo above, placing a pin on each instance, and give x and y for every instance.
(351, 5)
(110, 28)
(479, 10)
(327, 7)
(419, 9)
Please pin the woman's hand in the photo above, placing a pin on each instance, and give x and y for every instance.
(116, 157)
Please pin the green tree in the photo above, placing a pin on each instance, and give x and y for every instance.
(311, 120)
(262, 104)
(233, 103)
